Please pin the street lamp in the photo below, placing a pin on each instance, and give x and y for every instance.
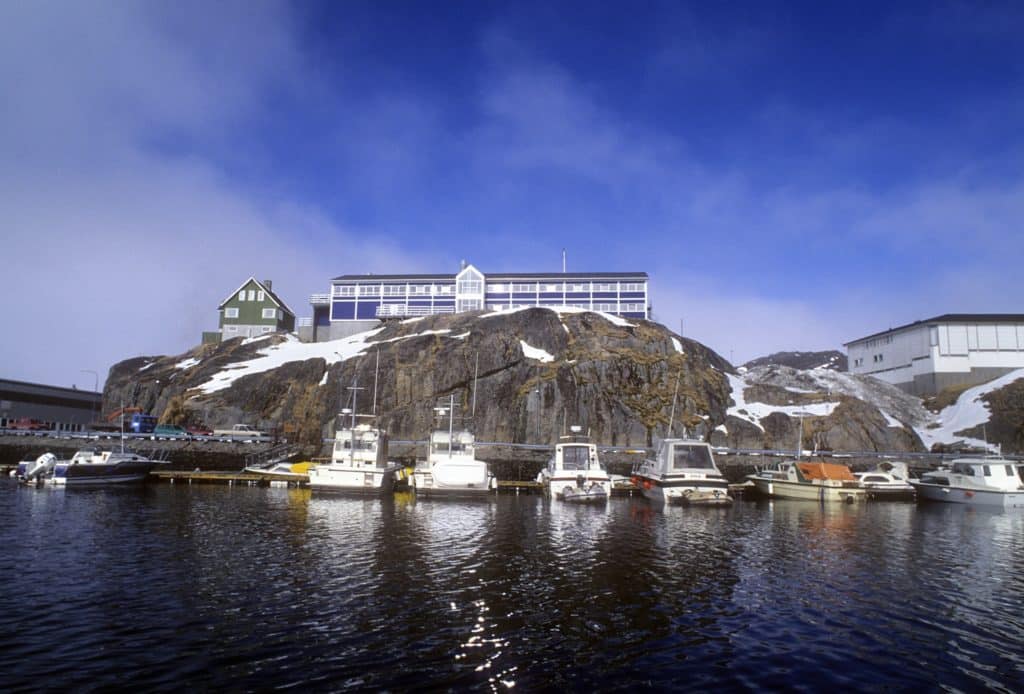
(95, 389)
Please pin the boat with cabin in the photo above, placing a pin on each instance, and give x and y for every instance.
(887, 481)
(92, 466)
(451, 467)
(991, 481)
(812, 480)
(35, 471)
(682, 472)
(574, 472)
(358, 463)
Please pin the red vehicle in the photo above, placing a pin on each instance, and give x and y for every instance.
(199, 430)
(28, 424)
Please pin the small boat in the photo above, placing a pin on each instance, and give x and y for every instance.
(91, 466)
(888, 481)
(683, 472)
(451, 467)
(282, 471)
(574, 473)
(358, 463)
(809, 480)
(975, 481)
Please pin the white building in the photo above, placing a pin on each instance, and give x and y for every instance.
(954, 349)
(359, 302)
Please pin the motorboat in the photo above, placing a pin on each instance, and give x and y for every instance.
(283, 471)
(358, 463)
(888, 481)
(813, 480)
(574, 473)
(91, 466)
(35, 471)
(682, 472)
(451, 467)
(977, 481)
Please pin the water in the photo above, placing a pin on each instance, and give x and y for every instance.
(241, 588)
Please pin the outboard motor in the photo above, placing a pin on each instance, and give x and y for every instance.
(36, 470)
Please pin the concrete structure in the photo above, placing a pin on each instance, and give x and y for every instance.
(356, 303)
(954, 349)
(252, 310)
(62, 409)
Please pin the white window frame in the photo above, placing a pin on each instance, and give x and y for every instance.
(345, 290)
(270, 313)
(241, 295)
(231, 312)
(260, 296)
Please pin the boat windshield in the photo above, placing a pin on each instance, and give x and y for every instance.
(575, 457)
(691, 457)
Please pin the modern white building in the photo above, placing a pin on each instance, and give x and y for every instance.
(954, 349)
(359, 302)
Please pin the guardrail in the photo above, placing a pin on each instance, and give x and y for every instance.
(320, 299)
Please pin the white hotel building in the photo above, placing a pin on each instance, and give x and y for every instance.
(357, 303)
(924, 357)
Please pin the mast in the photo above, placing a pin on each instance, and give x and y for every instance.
(376, 371)
(451, 422)
(672, 413)
(476, 372)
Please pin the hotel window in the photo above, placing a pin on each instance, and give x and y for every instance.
(231, 313)
(468, 305)
(259, 295)
(470, 286)
(497, 288)
(241, 295)
(269, 313)
(394, 290)
(524, 288)
(551, 287)
(344, 290)
(578, 287)
(632, 287)
(445, 289)
(252, 295)
(604, 287)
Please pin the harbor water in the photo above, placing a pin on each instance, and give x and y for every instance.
(161, 586)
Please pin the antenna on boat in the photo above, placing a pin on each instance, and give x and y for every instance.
(451, 422)
(672, 413)
(122, 425)
(376, 371)
(476, 372)
(800, 435)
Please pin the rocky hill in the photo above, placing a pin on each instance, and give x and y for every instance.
(831, 359)
(525, 376)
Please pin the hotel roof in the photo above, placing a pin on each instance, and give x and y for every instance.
(951, 318)
(500, 275)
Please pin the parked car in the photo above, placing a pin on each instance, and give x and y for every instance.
(28, 424)
(199, 430)
(171, 430)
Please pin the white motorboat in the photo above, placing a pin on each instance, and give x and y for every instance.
(91, 466)
(574, 473)
(283, 471)
(358, 463)
(888, 481)
(451, 467)
(809, 480)
(682, 472)
(976, 481)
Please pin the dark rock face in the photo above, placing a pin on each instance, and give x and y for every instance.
(831, 359)
(616, 381)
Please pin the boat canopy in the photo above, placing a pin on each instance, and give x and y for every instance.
(819, 470)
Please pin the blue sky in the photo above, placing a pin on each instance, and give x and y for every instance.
(792, 176)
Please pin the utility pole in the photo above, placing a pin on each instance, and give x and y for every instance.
(95, 389)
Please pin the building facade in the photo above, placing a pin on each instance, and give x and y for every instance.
(954, 349)
(359, 302)
(252, 310)
(60, 409)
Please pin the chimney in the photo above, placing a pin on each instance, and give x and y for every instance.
(268, 284)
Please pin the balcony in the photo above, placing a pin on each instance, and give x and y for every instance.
(400, 311)
(320, 299)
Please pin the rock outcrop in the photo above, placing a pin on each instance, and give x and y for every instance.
(830, 359)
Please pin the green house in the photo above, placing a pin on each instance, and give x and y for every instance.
(250, 311)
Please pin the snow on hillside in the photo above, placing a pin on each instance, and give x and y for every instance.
(754, 412)
(535, 353)
(967, 412)
(563, 310)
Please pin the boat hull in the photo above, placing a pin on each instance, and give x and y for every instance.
(352, 481)
(454, 478)
(86, 474)
(577, 490)
(972, 497)
(684, 493)
(783, 489)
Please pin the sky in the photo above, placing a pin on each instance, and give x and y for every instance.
(792, 176)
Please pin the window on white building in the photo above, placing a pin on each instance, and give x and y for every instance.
(269, 313)
(524, 288)
(344, 290)
(498, 288)
(252, 295)
(468, 305)
(551, 287)
(241, 295)
(260, 295)
(394, 290)
(231, 313)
